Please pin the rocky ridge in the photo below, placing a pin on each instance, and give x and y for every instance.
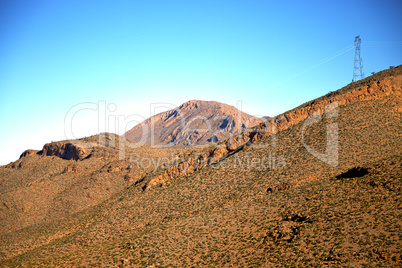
(367, 89)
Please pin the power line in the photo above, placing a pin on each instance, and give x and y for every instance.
(325, 60)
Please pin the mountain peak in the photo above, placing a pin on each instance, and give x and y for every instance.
(194, 122)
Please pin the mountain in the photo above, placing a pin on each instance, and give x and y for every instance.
(195, 122)
(316, 186)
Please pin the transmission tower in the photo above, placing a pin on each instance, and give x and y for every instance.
(358, 72)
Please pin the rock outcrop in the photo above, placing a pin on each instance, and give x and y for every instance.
(29, 152)
(64, 150)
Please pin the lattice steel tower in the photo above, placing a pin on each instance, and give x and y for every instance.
(358, 72)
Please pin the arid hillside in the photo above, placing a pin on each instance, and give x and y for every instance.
(195, 122)
(68, 176)
(316, 186)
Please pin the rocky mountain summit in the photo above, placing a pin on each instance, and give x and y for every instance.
(195, 122)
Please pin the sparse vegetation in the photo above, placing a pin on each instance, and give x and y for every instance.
(96, 213)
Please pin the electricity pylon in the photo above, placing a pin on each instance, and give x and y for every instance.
(358, 72)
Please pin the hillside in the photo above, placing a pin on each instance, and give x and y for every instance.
(69, 176)
(195, 122)
(259, 199)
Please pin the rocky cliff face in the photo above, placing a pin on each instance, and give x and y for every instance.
(194, 122)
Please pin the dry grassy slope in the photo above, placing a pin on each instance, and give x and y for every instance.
(305, 214)
(41, 186)
(209, 119)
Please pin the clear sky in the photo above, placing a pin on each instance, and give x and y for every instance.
(270, 55)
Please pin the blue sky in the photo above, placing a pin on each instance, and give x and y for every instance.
(270, 55)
